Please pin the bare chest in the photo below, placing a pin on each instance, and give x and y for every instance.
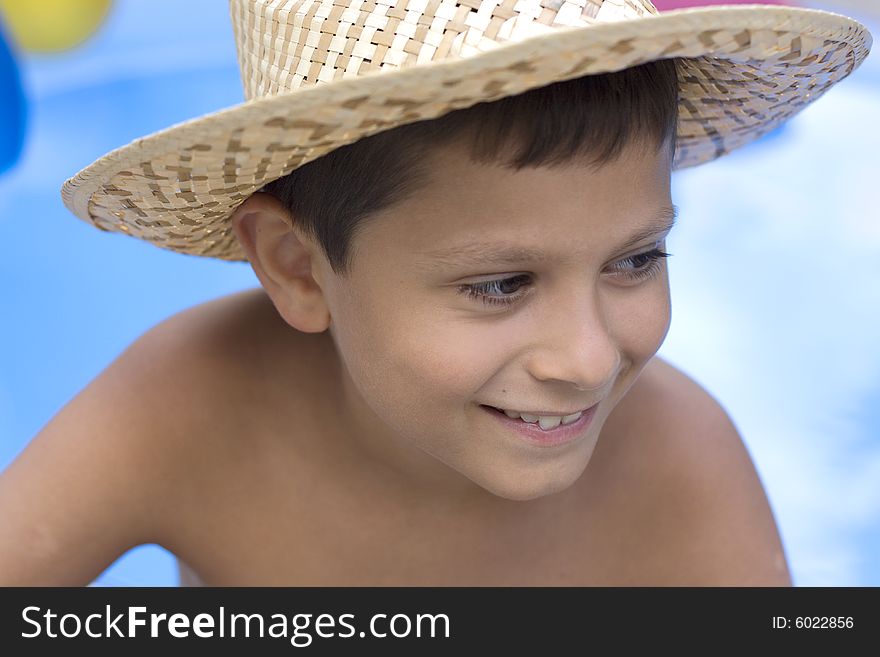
(270, 530)
(370, 549)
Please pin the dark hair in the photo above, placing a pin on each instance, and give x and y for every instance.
(588, 119)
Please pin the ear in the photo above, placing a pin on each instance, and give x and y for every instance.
(284, 259)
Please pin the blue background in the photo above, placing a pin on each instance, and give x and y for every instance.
(776, 293)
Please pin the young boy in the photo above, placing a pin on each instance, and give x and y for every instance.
(447, 377)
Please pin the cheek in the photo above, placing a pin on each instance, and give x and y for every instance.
(447, 359)
(640, 322)
(399, 353)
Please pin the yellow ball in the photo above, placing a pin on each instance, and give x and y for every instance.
(52, 25)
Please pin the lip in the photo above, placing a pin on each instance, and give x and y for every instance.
(551, 413)
(535, 435)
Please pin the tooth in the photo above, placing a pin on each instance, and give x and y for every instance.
(511, 414)
(549, 422)
(568, 419)
(529, 418)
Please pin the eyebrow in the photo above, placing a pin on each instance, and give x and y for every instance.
(493, 253)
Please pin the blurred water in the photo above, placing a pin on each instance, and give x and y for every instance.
(775, 291)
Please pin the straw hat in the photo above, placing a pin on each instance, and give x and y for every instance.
(319, 74)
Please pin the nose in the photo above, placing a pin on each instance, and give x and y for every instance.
(574, 346)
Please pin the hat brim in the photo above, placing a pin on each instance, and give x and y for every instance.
(746, 69)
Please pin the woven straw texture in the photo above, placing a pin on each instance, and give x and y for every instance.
(319, 74)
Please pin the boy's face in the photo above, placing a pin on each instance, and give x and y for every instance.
(421, 358)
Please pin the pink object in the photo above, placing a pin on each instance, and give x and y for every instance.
(666, 5)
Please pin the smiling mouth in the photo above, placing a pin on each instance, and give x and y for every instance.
(545, 421)
(546, 431)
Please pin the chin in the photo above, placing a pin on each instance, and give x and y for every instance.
(526, 493)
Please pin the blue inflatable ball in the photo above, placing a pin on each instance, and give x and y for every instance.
(12, 104)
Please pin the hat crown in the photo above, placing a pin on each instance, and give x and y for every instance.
(284, 45)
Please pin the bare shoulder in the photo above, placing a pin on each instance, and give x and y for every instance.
(209, 364)
(238, 382)
(101, 475)
(703, 499)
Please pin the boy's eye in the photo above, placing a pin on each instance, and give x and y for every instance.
(497, 292)
(505, 291)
